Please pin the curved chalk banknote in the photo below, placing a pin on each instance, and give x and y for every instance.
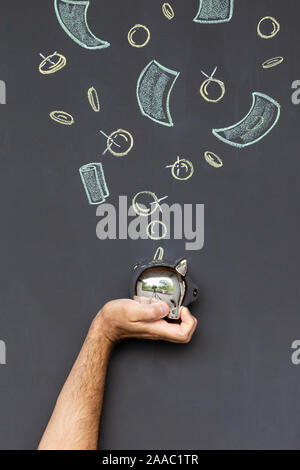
(259, 121)
(93, 179)
(214, 11)
(72, 16)
(153, 91)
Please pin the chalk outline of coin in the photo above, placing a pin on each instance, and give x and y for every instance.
(239, 145)
(211, 161)
(159, 254)
(124, 135)
(168, 11)
(149, 230)
(94, 99)
(102, 44)
(103, 189)
(273, 62)
(188, 165)
(275, 24)
(204, 85)
(175, 74)
(140, 210)
(55, 67)
(55, 118)
(133, 30)
(207, 21)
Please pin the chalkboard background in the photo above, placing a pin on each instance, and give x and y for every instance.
(234, 386)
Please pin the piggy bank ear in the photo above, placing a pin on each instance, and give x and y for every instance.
(181, 267)
(136, 266)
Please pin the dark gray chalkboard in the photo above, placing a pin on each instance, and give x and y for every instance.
(234, 386)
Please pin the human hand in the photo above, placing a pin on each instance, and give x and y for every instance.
(143, 318)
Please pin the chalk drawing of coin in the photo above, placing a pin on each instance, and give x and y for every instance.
(52, 63)
(182, 169)
(72, 16)
(168, 11)
(213, 159)
(94, 99)
(205, 85)
(204, 90)
(123, 140)
(270, 63)
(143, 199)
(136, 31)
(62, 117)
(156, 230)
(264, 22)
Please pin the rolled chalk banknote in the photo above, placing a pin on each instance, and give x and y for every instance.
(93, 179)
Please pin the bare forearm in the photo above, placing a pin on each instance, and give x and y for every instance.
(74, 423)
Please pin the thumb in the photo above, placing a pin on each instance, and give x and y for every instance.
(153, 311)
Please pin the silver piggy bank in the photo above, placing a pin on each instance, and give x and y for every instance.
(163, 280)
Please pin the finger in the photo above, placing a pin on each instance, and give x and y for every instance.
(176, 333)
(142, 300)
(188, 323)
(145, 300)
(152, 311)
